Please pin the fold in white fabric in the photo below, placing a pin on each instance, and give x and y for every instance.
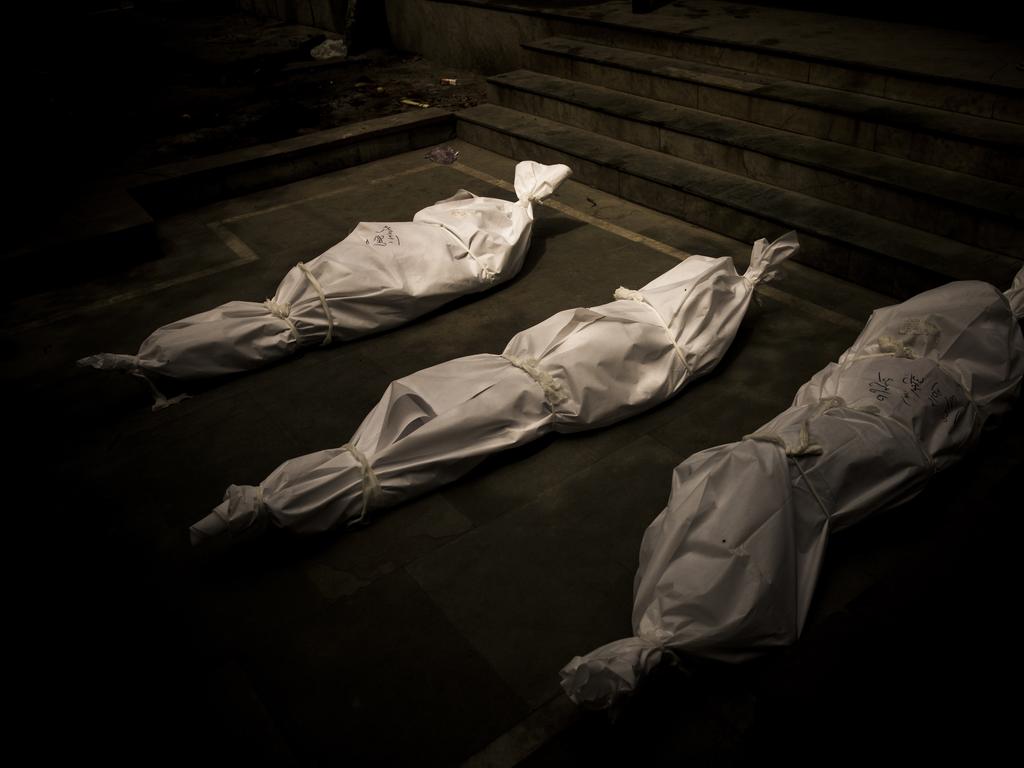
(728, 568)
(579, 369)
(380, 276)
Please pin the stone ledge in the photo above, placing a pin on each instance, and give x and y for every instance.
(891, 257)
(196, 182)
(894, 112)
(669, 27)
(117, 225)
(975, 210)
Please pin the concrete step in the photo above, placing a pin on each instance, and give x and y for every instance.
(191, 183)
(115, 227)
(951, 69)
(891, 258)
(957, 142)
(967, 208)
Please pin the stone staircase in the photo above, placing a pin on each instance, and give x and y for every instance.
(899, 192)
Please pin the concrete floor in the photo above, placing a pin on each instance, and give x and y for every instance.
(434, 635)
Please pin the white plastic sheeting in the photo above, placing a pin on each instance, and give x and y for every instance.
(1016, 294)
(729, 566)
(381, 275)
(580, 368)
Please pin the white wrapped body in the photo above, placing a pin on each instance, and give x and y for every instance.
(380, 276)
(729, 567)
(578, 369)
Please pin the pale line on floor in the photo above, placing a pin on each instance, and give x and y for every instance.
(323, 195)
(615, 229)
(245, 255)
(522, 740)
(803, 305)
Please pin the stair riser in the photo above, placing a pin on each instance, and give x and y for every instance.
(933, 215)
(957, 155)
(883, 274)
(948, 96)
(488, 40)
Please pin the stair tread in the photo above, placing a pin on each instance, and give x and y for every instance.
(962, 56)
(895, 113)
(791, 209)
(965, 190)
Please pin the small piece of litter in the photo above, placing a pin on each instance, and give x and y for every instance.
(330, 49)
(412, 103)
(445, 155)
(449, 81)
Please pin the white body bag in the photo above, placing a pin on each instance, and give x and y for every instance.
(380, 276)
(729, 566)
(579, 369)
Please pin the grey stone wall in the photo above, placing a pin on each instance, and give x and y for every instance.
(464, 36)
(325, 14)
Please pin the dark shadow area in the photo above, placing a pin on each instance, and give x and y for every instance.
(97, 95)
(984, 16)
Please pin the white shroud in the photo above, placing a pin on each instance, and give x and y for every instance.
(729, 566)
(380, 276)
(578, 369)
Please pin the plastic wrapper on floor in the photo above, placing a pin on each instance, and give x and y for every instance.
(579, 369)
(380, 276)
(728, 569)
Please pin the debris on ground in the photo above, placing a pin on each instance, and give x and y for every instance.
(445, 155)
(414, 103)
(330, 49)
